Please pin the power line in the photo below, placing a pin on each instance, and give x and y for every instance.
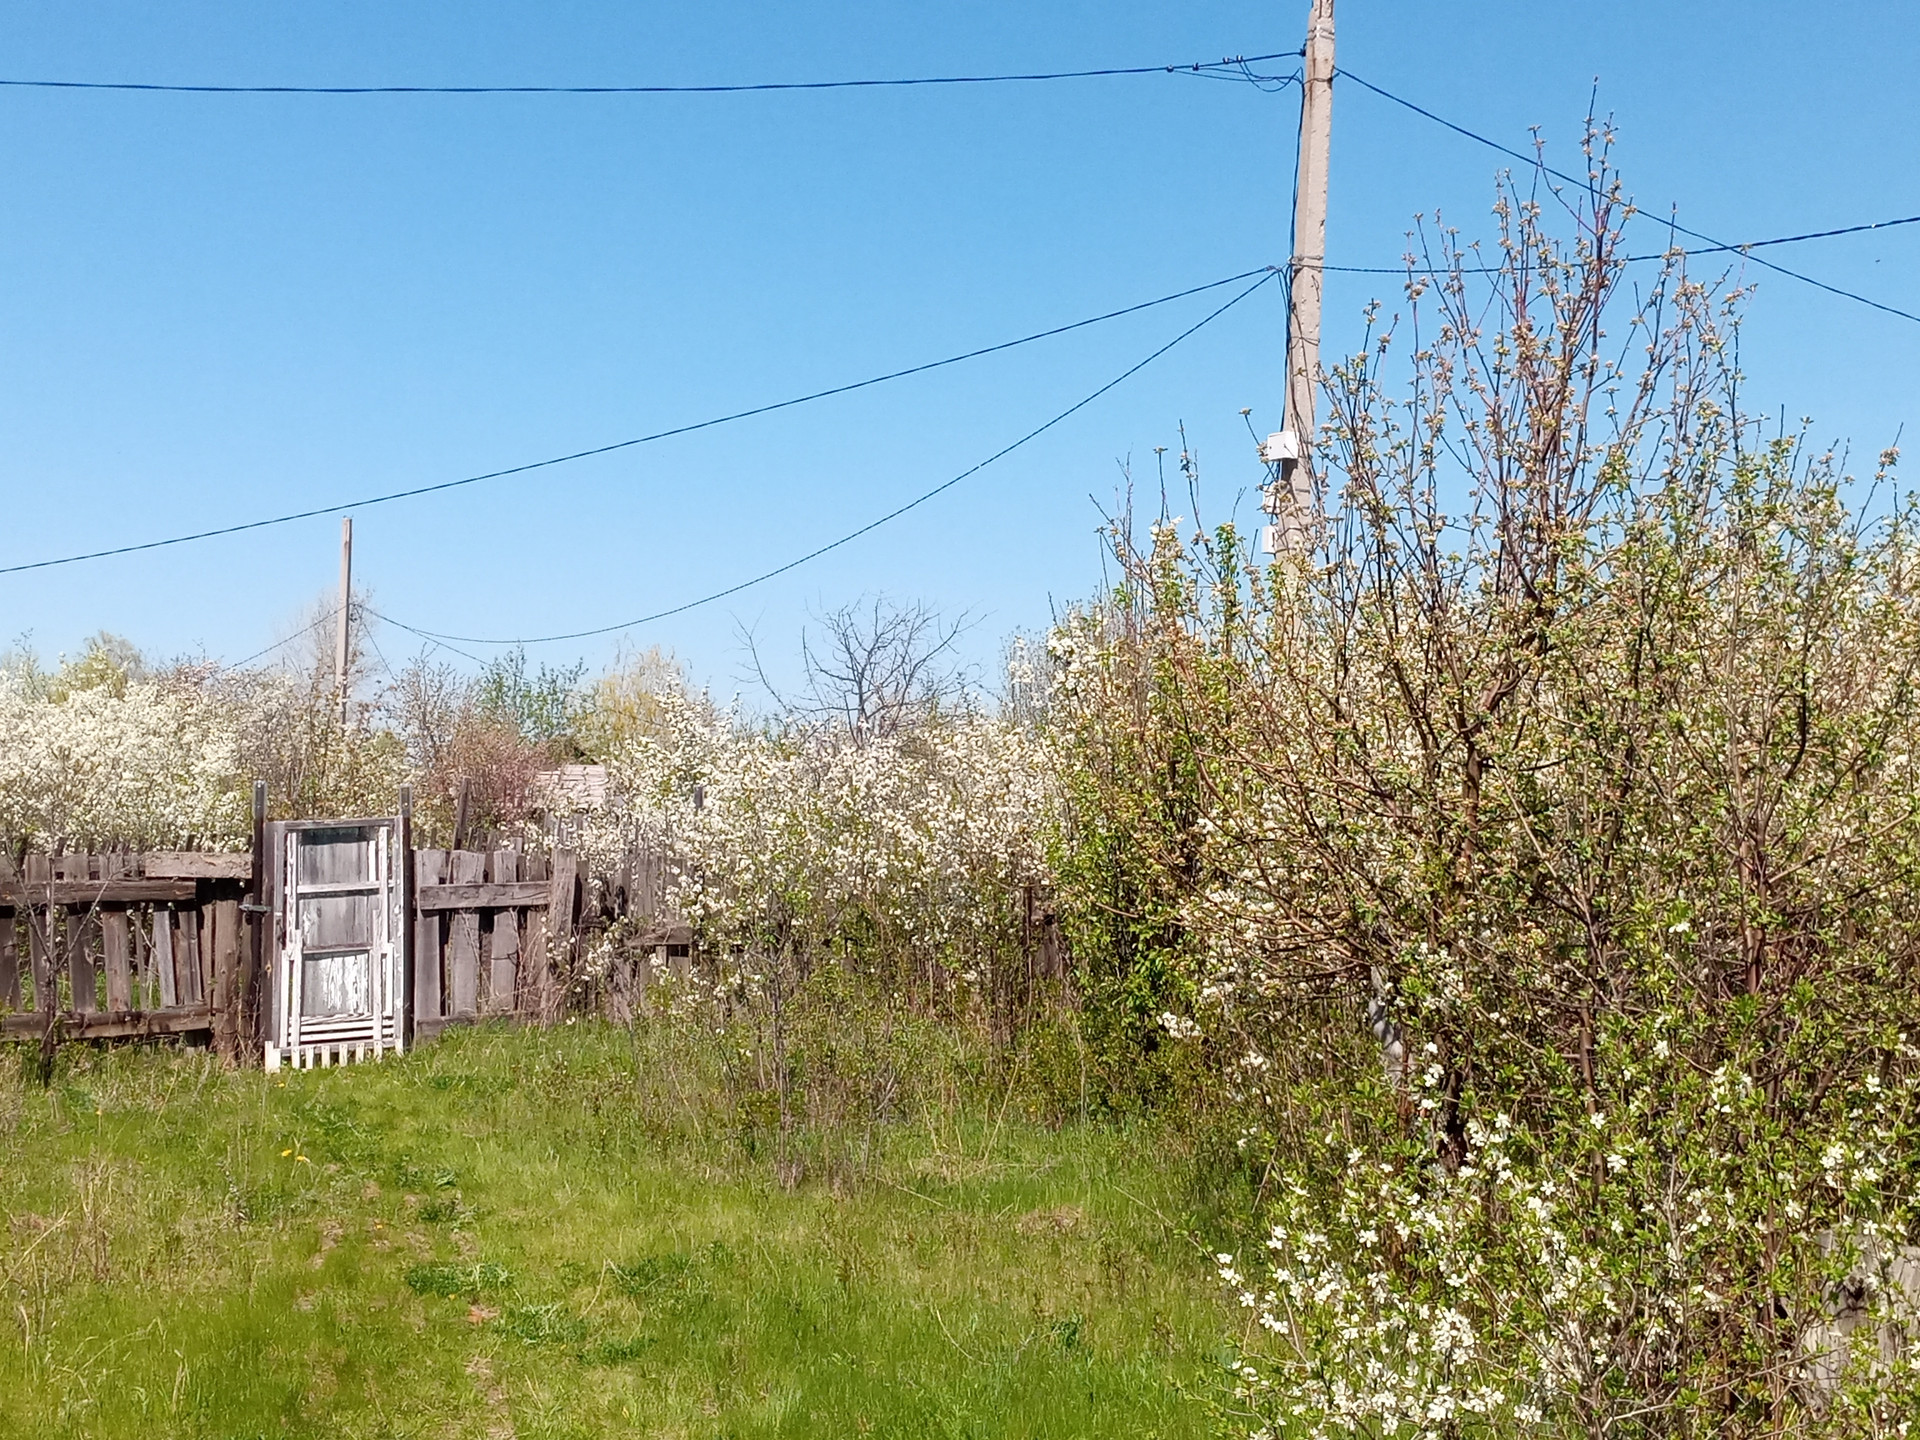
(1740, 247)
(303, 630)
(1234, 67)
(325, 616)
(1812, 235)
(1716, 244)
(677, 430)
(851, 535)
(436, 644)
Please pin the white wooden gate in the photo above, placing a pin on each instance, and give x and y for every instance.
(339, 977)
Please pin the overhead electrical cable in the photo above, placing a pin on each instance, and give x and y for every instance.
(851, 535)
(392, 495)
(1739, 247)
(1232, 67)
(1716, 244)
(306, 629)
(1745, 245)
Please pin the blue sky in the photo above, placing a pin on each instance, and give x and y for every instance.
(217, 308)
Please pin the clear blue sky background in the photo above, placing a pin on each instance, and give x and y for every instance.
(217, 308)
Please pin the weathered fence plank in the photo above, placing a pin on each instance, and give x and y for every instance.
(186, 955)
(111, 1025)
(223, 933)
(83, 977)
(195, 865)
(463, 939)
(83, 893)
(429, 868)
(116, 941)
(162, 956)
(562, 900)
(9, 964)
(503, 936)
(82, 986)
(513, 894)
(46, 990)
(190, 979)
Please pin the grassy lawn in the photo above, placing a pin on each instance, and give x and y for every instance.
(522, 1234)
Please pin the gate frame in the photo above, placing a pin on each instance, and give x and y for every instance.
(281, 988)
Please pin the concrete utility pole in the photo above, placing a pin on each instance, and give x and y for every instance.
(340, 649)
(1292, 500)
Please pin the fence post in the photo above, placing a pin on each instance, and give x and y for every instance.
(224, 937)
(429, 868)
(257, 922)
(403, 1030)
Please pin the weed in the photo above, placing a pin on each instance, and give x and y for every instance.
(451, 1280)
(653, 1275)
(543, 1325)
(616, 1352)
(442, 1210)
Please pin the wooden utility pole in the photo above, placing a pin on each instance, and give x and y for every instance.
(340, 649)
(1310, 226)
(1292, 501)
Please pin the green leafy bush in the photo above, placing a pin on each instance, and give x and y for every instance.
(1529, 863)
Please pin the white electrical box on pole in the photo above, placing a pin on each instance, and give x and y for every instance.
(1291, 498)
(341, 652)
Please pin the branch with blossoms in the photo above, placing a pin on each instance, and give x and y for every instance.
(1547, 829)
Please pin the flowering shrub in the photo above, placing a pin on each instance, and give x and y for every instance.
(1536, 879)
(1600, 1268)
(130, 763)
(913, 850)
(102, 753)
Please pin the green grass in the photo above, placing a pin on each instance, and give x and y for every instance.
(514, 1233)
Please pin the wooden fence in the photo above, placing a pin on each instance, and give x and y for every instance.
(122, 945)
(494, 933)
(506, 933)
(326, 929)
